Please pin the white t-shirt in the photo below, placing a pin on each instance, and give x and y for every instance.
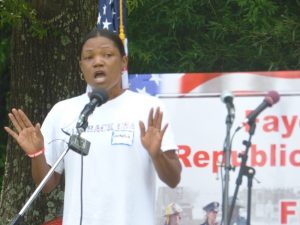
(118, 174)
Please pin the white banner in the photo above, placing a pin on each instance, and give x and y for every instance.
(198, 118)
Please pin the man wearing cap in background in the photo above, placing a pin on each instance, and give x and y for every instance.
(172, 214)
(237, 219)
(211, 210)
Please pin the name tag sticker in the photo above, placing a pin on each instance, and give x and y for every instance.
(122, 137)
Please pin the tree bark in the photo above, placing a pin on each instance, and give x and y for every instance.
(43, 71)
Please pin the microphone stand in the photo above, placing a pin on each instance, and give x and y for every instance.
(77, 144)
(18, 219)
(227, 150)
(247, 171)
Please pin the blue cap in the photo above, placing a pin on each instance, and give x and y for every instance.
(213, 206)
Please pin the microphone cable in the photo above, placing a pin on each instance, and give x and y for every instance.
(222, 180)
(81, 181)
(81, 190)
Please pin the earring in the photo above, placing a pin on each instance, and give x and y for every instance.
(81, 76)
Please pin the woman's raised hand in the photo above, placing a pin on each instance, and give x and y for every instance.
(29, 137)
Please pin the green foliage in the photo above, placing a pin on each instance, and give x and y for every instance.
(208, 36)
(13, 12)
(132, 5)
(4, 49)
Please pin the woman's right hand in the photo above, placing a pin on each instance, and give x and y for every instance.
(29, 137)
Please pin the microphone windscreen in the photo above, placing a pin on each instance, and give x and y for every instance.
(226, 96)
(100, 94)
(272, 97)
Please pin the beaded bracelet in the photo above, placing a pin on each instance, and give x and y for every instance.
(33, 155)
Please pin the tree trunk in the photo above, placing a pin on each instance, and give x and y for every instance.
(43, 71)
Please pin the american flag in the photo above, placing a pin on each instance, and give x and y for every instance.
(112, 16)
(145, 83)
(213, 84)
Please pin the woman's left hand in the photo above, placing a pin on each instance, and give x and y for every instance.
(151, 137)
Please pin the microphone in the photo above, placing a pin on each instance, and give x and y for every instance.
(227, 98)
(97, 98)
(270, 99)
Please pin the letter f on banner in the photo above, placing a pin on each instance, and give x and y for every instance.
(287, 210)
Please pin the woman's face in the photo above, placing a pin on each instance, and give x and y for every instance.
(101, 64)
(212, 217)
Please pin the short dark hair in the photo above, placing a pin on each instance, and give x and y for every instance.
(107, 34)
